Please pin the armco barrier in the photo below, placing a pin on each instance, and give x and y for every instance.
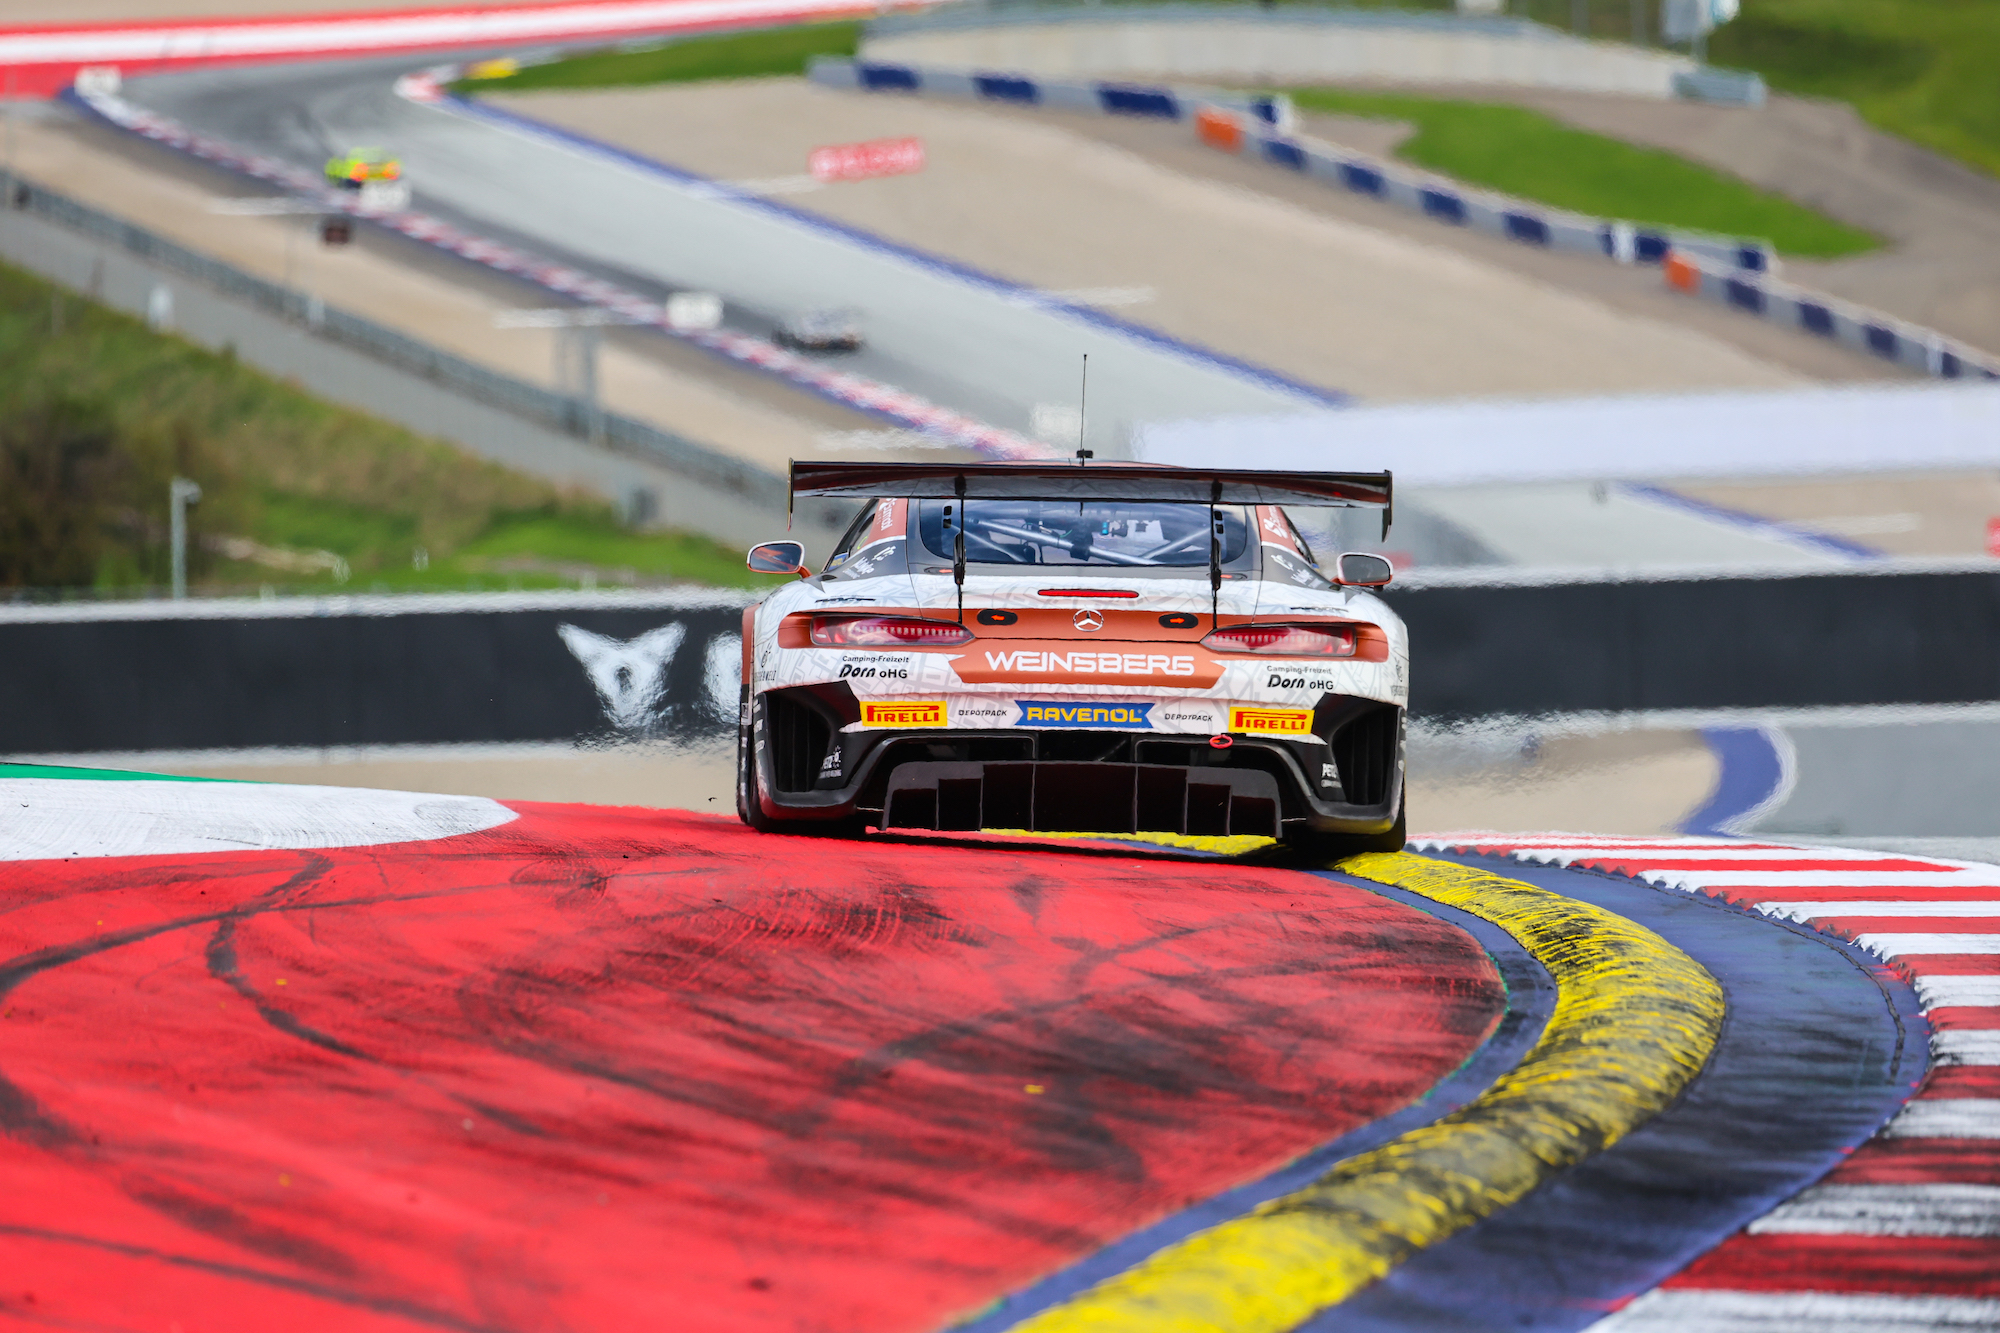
(1256, 129)
(1909, 345)
(325, 672)
(1507, 642)
(501, 667)
(563, 413)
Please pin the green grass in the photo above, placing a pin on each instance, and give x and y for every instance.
(277, 466)
(1525, 153)
(1924, 69)
(764, 53)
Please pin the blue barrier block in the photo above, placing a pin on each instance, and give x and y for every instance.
(1006, 88)
(887, 78)
(1138, 101)
(1883, 342)
(1283, 153)
(1444, 205)
(1649, 247)
(1949, 366)
(1816, 318)
(1265, 108)
(1750, 257)
(1527, 227)
(1745, 295)
(1362, 180)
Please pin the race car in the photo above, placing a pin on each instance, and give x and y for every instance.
(1080, 648)
(358, 167)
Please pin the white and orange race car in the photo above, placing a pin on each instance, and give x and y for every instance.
(1110, 648)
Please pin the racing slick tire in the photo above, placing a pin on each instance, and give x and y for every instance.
(751, 811)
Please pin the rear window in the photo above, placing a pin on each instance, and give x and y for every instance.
(1104, 533)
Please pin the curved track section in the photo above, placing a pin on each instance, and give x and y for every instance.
(474, 1081)
(965, 340)
(1820, 1048)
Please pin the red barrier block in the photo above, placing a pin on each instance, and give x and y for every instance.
(1218, 129)
(607, 1069)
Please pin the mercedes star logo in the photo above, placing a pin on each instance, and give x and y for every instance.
(1088, 620)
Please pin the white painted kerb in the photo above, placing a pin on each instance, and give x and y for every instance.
(58, 818)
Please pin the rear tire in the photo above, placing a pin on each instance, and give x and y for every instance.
(751, 810)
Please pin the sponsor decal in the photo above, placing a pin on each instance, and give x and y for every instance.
(1274, 527)
(1298, 571)
(830, 766)
(907, 713)
(1057, 713)
(1053, 713)
(877, 556)
(1188, 717)
(976, 712)
(1319, 683)
(875, 668)
(1032, 662)
(1271, 721)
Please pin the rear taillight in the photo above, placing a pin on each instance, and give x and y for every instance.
(1284, 640)
(886, 632)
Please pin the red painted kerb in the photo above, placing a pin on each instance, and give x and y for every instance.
(607, 1069)
(40, 60)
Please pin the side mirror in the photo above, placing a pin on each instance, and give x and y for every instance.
(778, 558)
(1357, 569)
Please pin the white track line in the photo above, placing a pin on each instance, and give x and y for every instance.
(1887, 1210)
(1947, 1118)
(1684, 1311)
(1955, 992)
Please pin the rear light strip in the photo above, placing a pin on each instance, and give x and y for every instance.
(1285, 640)
(887, 632)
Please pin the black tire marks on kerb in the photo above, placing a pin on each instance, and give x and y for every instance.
(222, 962)
(23, 1119)
(386, 1305)
(526, 1005)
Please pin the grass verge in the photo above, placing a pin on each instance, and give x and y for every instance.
(1923, 69)
(97, 412)
(763, 53)
(1522, 152)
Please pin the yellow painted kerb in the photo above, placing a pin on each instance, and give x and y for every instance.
(1635, 1019)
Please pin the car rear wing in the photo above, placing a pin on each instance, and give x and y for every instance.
(1092, 481)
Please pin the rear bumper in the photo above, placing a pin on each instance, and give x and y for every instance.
(1349, 781)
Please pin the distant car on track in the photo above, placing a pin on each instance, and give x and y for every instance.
(821, 331)
(1108, 648)
(357, 168)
